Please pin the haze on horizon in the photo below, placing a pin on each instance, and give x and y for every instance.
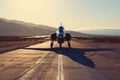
(76, 15)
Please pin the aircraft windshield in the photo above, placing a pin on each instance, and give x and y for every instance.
(61, 32)
(61, 29)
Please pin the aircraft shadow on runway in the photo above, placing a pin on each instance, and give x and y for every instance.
(76, 54)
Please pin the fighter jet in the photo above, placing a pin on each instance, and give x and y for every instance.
(60, 36)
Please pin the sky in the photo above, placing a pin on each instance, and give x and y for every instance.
(77, 15)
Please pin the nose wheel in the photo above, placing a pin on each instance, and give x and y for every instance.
(60, 45)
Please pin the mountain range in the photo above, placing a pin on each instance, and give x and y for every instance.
(104, 32)
(21, 28)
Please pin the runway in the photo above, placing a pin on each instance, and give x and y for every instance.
(40, 62)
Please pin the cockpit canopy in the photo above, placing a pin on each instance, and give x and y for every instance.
(61, 32)
(61, 29)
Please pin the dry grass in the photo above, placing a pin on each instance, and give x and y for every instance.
(8, 43)
(100, 39)
(101, 42)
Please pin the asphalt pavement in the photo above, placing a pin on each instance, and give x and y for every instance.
(40, 62)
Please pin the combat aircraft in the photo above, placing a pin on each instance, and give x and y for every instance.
(60, 36)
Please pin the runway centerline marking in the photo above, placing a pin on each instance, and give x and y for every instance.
(60, 68)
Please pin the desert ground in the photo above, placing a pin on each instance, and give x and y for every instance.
(87, 59)
(107, 58)
(8, 43)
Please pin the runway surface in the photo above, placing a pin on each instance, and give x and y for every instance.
(39, 62)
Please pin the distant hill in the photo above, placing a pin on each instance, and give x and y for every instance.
(79, 34)
(21, 28)
(104, 32)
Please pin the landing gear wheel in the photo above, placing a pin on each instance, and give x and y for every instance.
(51, 45)
(69, 45)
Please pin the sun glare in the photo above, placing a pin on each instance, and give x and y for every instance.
(73, 13)
(32, 4)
